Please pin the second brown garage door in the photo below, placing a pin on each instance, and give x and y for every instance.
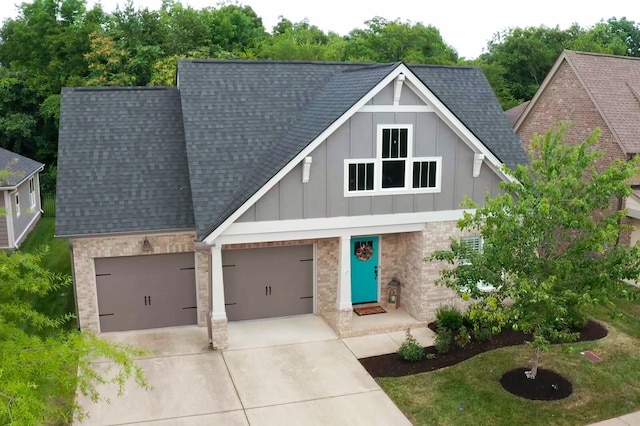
(152, 291)
(268, 282)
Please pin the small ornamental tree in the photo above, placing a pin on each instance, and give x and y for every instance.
(42, 365)
(550, 242)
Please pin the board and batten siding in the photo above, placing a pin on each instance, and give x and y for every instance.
(4, 232)
(27, 212)
(323, 196)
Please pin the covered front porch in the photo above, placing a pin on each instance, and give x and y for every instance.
(398, 256)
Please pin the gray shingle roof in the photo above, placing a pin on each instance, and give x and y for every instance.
(466, 92)
(243, 122)
(20, 167)
(122, 165)
(341, 92)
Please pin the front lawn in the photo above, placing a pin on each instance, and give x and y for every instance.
(58, 260)
(469, 393)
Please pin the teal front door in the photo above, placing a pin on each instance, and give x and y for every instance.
(364, 270)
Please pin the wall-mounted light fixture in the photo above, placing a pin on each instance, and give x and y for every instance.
(146, 245)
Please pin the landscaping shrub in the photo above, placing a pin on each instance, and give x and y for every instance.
(410, 350)
(444, 336)
(448, 316)
(463, 338)
(482, 334)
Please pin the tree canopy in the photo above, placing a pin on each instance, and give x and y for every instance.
(550, 242)
(42, 365)
(55, 43)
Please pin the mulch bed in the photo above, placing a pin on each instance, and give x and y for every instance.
(547, 386)
(392, 365)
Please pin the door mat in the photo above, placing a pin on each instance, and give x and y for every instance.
(369, 310)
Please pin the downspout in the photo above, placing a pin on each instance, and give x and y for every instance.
(210, 307)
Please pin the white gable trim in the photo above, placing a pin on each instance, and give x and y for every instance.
(329, 227)
(396, 108)
(455, 124)
(421, 90)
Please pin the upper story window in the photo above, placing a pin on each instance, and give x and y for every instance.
(394, 170)
(32, 192)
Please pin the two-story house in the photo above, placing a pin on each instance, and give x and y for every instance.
(258, 189)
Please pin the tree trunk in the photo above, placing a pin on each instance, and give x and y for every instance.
(531, 374)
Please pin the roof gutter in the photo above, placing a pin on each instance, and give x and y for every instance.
(14, 187)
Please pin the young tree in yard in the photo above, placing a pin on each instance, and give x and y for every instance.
(42, 366)
(550, 242)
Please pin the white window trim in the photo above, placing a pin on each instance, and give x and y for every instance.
(32, 192)
(17, 203)
(350, 161)
(377, 168)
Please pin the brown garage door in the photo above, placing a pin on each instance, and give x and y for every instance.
(268, 282)
(141, 292)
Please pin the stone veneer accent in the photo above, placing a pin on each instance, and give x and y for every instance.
(219, 334)
(203, 278)
(419, 294)
(401, 255)
(85, 250)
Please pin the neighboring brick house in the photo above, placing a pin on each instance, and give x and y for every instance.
(260, 189)
(20, 207)
(589, 91)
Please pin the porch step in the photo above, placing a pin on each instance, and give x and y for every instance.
(382, 329)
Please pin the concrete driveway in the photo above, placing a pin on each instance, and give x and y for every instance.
(279, 381)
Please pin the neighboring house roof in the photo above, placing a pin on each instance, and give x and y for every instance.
(20, 168)
(613, 83)
(122, 165)
(514, 113)
(245, 120)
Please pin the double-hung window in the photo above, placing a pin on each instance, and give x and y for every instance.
(395, 169)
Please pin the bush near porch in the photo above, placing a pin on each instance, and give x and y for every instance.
(470, 393)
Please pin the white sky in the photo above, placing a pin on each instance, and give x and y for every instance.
(466, 25)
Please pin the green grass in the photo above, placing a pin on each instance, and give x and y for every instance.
(58, 260)
(600, 391)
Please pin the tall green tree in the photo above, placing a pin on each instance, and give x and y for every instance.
(42, 365)
(388, 41)
(550, 242)
(302, 41)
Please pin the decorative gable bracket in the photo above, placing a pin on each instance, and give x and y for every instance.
(397, 90)
(478, 158)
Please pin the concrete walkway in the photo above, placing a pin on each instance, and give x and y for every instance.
(632, 419)
(310, 378)
(285, 371)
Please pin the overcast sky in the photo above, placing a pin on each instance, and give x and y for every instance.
(466, 25)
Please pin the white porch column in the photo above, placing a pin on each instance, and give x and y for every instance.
(217, 284)
(344, 280)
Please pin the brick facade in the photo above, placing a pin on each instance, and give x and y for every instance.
(566, 100)
(401, 256)
(85, 250)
